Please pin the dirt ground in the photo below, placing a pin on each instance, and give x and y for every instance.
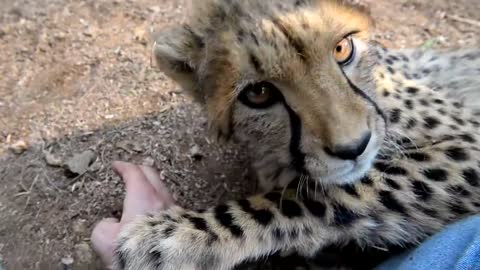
(76, 77)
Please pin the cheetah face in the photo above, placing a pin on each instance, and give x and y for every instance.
(292, 79)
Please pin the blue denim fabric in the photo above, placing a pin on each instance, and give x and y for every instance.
(457, 247)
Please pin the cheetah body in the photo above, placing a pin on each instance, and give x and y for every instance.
(425, 174)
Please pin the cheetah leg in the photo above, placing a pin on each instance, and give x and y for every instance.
(224, 236)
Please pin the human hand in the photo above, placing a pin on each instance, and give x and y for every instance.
(145, 192)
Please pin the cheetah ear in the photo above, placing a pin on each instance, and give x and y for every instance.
(176, 53)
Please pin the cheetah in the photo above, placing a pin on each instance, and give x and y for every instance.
(356, 147)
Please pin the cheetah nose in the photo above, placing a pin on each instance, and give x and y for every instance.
(350, 151)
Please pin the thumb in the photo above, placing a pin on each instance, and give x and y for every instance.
(103, 239)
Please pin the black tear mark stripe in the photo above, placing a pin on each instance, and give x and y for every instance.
(362, 94)
(225, 219)
(263, 216)
(298, 156)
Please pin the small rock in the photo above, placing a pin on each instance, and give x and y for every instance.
(52, 160)
(148, 162)
(79, 163)
(141, 35)
(19, 147)
(83, 253)
(67, 262)
(195, 152)
(79, 226)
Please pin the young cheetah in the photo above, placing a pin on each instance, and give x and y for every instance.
(355, 146)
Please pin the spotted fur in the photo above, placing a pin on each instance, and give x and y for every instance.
(419, 171)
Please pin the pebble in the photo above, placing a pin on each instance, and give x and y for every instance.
(19, 147)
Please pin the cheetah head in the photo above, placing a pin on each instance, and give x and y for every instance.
(292, 78)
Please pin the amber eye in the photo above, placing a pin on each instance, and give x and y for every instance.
(260, 95)
(344, 51)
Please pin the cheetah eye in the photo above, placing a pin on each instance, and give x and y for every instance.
(260, 95)
(344, 51)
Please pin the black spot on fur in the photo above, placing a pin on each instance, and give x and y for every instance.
(168, 231)
(256, 63)
(459, 121)
(422, 190)
(226, 220)
(199, 223)
(423, 102)
(427, 211)
(390, 202)
(395, 116)
(459, 190)
(278, 234)
(351, 190)
(431, 122)
(468, 138)
(344, 216)
(241, 35)
(254, 39)
(300, 3)
(409, 104)
(438, 101)
(457, 105)
(294, 41)
(121, 256)
(418, 156)
(155, 258)
(359, 257)
(316, 208)
(386, 93)
(456, 153)
(291, 209)
(391, 183)
(367, 180)
(293, 233)
(442, 111)
(411, 123)
(436, 174)
(474, 123)
(263, 216)
(274, 197)
(472, 177)
(458, 207)
(392, 170)
(412, 90)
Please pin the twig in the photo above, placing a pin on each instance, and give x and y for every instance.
(29, 192)
(464, 20)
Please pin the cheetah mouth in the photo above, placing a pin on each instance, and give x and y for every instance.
(343, 172)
